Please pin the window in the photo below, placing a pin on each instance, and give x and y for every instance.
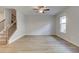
(63, 24)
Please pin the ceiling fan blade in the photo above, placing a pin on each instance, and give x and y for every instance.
(46, 9)
(40, 7)
(35, 9)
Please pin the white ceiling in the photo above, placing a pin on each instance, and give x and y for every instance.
(28, 10)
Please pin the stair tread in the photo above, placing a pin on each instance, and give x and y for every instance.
(2, 40)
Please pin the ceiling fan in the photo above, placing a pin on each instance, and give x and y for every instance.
(41, 9)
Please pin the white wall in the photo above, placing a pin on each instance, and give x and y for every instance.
(72, 34)
(40, 25)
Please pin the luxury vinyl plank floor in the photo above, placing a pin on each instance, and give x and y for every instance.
(40, 44)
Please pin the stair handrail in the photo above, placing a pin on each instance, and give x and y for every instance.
(9, 26)
(2, 21)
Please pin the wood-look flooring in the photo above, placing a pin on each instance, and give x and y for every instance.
(40, 44)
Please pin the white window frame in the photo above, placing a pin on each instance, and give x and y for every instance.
(63, 22)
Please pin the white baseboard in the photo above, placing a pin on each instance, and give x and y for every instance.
(13, 40)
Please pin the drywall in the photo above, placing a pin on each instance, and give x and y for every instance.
(72, 34)
(21, 27)
(40, 25)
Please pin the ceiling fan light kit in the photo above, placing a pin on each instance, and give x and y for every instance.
(41, 9)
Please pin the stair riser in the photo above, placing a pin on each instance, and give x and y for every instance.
(3, 42)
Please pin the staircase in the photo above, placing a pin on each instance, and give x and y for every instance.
(3, 33)
(7, 31)
(3, 37)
